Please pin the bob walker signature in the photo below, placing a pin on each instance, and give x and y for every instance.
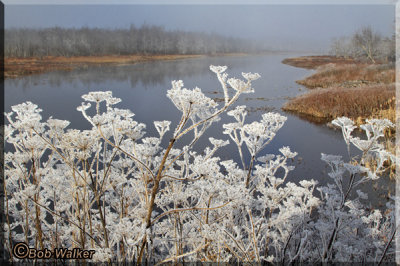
(23, 251)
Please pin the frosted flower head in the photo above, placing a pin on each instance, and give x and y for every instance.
(308, 183)
(266, 158)
(218, 69)
(273, 120)
(335, 159)
(355, 169)
(238, 113)
(376, 127)
(240, 86)
(137, 132)
(177, 84)
(102, 119)
(381, 123)
(255, 129)
(57, 123)
(251, 76)
(347, 126)
(362, 144)
(83, 107)
(192, 102)
(97, 96)
(85, 140)
(150, 146)
(287, 153)
(123, 113)
(343, 122)
(162, 127)
(26, 108)
(218, 142)
(27, 115)
(112, 100)
(229, 128)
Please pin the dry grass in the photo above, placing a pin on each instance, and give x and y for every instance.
(349, 75)
(357, 103)
(356, 90)
(312, 62)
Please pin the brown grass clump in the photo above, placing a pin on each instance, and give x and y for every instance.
(312, 62)
(358, 103)
(349, 75)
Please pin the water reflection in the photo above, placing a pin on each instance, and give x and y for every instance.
(149, 74)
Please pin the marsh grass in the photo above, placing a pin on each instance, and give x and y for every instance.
(359, 103)
(313, 62)
(349, 75)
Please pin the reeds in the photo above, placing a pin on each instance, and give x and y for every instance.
(358, 103)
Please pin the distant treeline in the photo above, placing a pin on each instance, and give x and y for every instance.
(147, 39)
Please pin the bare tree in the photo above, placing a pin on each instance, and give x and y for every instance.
(342, 47)
(366, 42)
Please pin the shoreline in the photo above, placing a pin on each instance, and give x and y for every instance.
(15, 67)
(19, 67)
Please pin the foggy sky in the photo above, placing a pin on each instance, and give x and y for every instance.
(302, 27)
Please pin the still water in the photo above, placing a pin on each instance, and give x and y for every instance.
(142, 88)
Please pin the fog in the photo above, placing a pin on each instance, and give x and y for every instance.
(290, 27)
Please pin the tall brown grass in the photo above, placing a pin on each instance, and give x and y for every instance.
(358, 103)
(349, 74)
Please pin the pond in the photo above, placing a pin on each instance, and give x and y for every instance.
(143, 87)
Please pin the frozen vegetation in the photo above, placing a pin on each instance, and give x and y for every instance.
(116, 191)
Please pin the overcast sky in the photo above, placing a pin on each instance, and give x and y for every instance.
(306, 26)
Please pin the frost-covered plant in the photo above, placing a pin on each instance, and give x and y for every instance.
(345, 230)
(115, 190)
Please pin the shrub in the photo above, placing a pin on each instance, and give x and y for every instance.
(113, 190)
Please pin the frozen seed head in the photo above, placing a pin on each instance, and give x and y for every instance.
(218, 142)
(287, 152)
(83, 107)
(251, 76)
(240, 86)
(97, 96)
(218, 69)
